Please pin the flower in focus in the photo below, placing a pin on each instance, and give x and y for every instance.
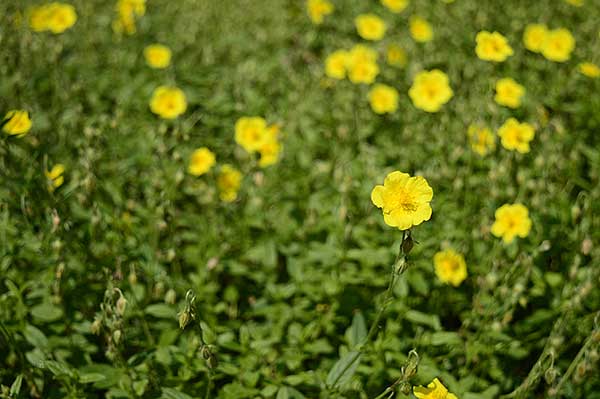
(396, 6)
(370, 27)
(509, 93)
(383, 99)
(512, 220)
(270, 148)
(55, 176)
(362, 64)
(403, 199)
(318, 10)
(335, 64)
(481, 139)
(430, 90)
(420, 29)
(16, 122)
(54, 17)
(228, 182)
(534, 37)
(250, 132)
(168, 102)
(558, 45)
(396, 56)
(450, 267)
(589, 69)
(157, 56)
(515, 135)
(435, 390)
(201, 161)
(492, 47)
(127, 13)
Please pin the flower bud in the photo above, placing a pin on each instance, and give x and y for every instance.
(96, 325)
(117, 336)
(121, 305)
(184, 319)
(170, 297)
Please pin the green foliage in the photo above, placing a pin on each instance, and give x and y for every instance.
(94, 276)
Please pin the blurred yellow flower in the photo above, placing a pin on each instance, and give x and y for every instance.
(435, 390)
(534, 37)
(127, 13)
(55, 176)
(318, 10)
(492, 47)
(370, 27)
(271, 148)
(515, 135)
(335, 64)
(589, 69)
(509, 93)
(201, 161)
(511, 220)
(383, 99)
(430, 90)
(362, 64)
(403, 199)
(228, 183)
(450, 267)
(250, 132)
(558, 45)
(576, 3)
(16, 122)
(168, 102)
(396, 6)
(481, 138)
(420, 30)
(54, 17)
(396, 56)
(157, 56)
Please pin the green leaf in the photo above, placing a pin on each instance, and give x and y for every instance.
(35, 337)
(357, 332)
(445, 338)
(161, 311)
(289, 393)
(343, 370)
(46, 312)
(432, 320)
(89, 378)
(170, 393)
(15, 388)
(208, 335)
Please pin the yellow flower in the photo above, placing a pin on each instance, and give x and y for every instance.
(558, 45)
(251, 132)
(228, 182)
(430, 90)
(509, 93)
(420, 29)
(481, 139)
(450, 267)
(589, 69)
(318, 9)
(576, 3)
(16, 122)
(270, 149)
(435, 390)
(534, 37)
(55, 176)
(335, 64)
(157, 56)
(383, 99)
(511, 221)
(168, 102)
(362, 64)
(396, 56)
(492, 47)
(127, 12)
(396, 6)
(403, 199)
(201, 161)
(55, 17)
(515, 135)
(370, 27)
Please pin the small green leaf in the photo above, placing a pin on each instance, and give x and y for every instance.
(343, 370)
(357, 331)
(161, 311)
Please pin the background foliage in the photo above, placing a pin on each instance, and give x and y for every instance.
(286, 278)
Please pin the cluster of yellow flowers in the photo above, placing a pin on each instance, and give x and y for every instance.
(359, 64)
(318, 10)
(128, 11)
(556, 44)
(253, 134)
(229, 178)
(54, 17)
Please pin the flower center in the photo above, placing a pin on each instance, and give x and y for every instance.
(403, 200)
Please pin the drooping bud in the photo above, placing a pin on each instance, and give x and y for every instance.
(121, 304)
(117, 336)
(170, 297)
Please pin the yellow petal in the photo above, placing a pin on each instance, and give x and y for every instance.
(377, 196)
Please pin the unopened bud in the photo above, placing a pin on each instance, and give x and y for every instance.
(586, 246)
(96, 325)
(121, 305)
(184, 318)
(407, 245)
(132, 277)
(117, 336)
(170, 297)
